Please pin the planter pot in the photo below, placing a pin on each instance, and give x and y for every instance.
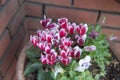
(22, 59)
(21, 63)
(115, 47)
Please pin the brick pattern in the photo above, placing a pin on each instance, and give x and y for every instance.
(104, 5)
(111, 20)
(4, 42)
(2, 2)
(33, 9)
(110, 32)
(54, 2)
(87, 4)
(11, 17)
(11, 71)
(17, 20)
(1, 76)
(21, 17)
(7, 12)
(73, 15)
(33, 23)
(21, 2)
(10, 54)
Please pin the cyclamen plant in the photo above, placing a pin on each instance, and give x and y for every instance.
(64, 51)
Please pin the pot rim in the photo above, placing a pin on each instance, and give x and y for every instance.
(21, 61)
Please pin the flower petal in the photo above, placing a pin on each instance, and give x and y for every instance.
(62, 33)
(90, 48)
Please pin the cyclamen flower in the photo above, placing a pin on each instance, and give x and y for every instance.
(77, 52)
(62, 33)
(41, 46)
(81, 39)
(34, 40)
(82, 29)
(64, 57)
(47, 49)
(55, 42)
(43, 59)
(57, 36)
(66, 41)
(62, 47)
(63, 22)
(53, 25)
(71, 28)
(83, 64)
(90, 48)
(63, 53)
(39, 32)
(45, 22)
(66, 61)
(48, 38)
(49, 58)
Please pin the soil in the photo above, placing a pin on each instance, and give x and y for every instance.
(112, 71)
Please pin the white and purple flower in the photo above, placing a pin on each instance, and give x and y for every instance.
(90, 48)
(83, 64)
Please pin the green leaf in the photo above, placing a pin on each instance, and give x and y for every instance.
(71, 73)
(49, 76)
(32, 53)
(64, 78)
(102, 65)
(32, 68)
(42, 75)
(76, 78)
(107, 62)
(98, 28)
(97, 77)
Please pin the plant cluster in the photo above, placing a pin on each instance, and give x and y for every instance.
(67, 51)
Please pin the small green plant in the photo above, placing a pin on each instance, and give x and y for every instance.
(67, 51)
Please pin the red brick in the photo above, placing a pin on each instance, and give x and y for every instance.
(9, 75)
(21, 2)
(73, 15)
(15, 23)
(111, 20)
(55, 2)
(87, 4)
(2, 2)
(110, 32)
(14, 78)
(1, 78)
(7, 13)
(4, 42)
(33, 9)
(32, 23)
(109, 5)
(16, 42)
(106, 5)
(26, 39)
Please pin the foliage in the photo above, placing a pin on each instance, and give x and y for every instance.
(66, 51)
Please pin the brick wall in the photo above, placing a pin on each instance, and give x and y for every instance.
(12, 15)
(19, 17)
(86, 11)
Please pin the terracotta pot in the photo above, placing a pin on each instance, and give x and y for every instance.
(115, 47)
(22, 58)
(21, 63)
